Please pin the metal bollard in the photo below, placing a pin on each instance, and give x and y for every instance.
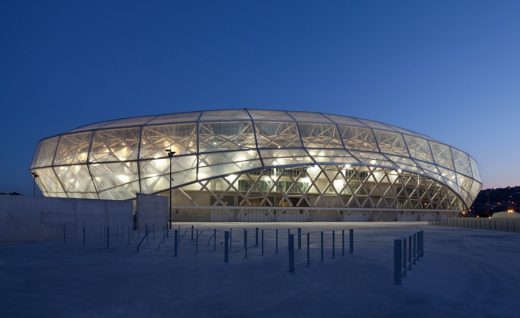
(226, 246)
(288, 233)
(299, 238)
(230, 238)
(308, 250)
(333, 244)
(421, 243)
(256, 237)
(410, 251)
(351, 240)
(215, 240)
(196, 241)
(192, 233)
(414, 248)
(397, 261)
(262, 242)
(322, 247)
(176, 243)
(405, 259)
(291, 253)
(245, 244)
(342, 242)
(276, 235)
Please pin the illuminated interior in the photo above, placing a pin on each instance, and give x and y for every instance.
(252, 157)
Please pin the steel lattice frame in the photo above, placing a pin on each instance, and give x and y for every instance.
(117, 159)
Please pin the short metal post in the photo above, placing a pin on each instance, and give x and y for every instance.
(333, 244)
(421, 244)
(291, 253)
(414, 248)
(299, 238)
(288, 233)
(276, 239)
(397, 261)
(308, 250)
(108, 236)
(226, 246)
(245, 243)
(84, 243)
(342, 242)
(230, 238)
(176, 243)
(405, 259)
(321, 247)
(351, 240)
(410, 252)
(256, 237)
(196, 241)
(192, 233)
(215, 240)
(262, 242)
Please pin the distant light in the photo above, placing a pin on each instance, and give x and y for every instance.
(510, 210)
(372, 162)
(399, 170)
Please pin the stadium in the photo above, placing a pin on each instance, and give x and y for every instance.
(261, 165)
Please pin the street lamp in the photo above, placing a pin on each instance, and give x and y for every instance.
(35, 175)
(170, 155)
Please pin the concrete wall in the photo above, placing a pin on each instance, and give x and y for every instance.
(152, 210)
(29, 219)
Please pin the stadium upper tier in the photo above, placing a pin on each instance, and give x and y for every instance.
(119, 158)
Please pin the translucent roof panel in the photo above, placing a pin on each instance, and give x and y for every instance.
(175, 118)
(45, 152)
(310, 117)
(133, 121)
(94, 125)
(219, 136)
(115, 145)
(73, 148)
(474, 169)
(358, 138)
(320, 136)
(390, 142)
(419, 148)
(461, 161)
(442, 154)
(277, 135)
(237, 114)
(275, 115)
(344, 120)
(180, 138)
(375, 124)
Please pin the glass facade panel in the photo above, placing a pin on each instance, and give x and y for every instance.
(442, 155)
(419, 148)
(358, 138)
(223, 136)
(75, 178)
(47, 178)
(73, 148)
(111, 175)
(175, 118)
(45, 152)
(320, 136)
(115, 145)
(277, 134)
(304, 117)
(219, 115)
(269, 115)
(390, 142)
(474, 169)
(461, 161)
(181, 138)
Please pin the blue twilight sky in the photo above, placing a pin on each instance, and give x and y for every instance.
(448, 69)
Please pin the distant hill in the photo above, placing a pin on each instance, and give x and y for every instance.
(495, 200)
